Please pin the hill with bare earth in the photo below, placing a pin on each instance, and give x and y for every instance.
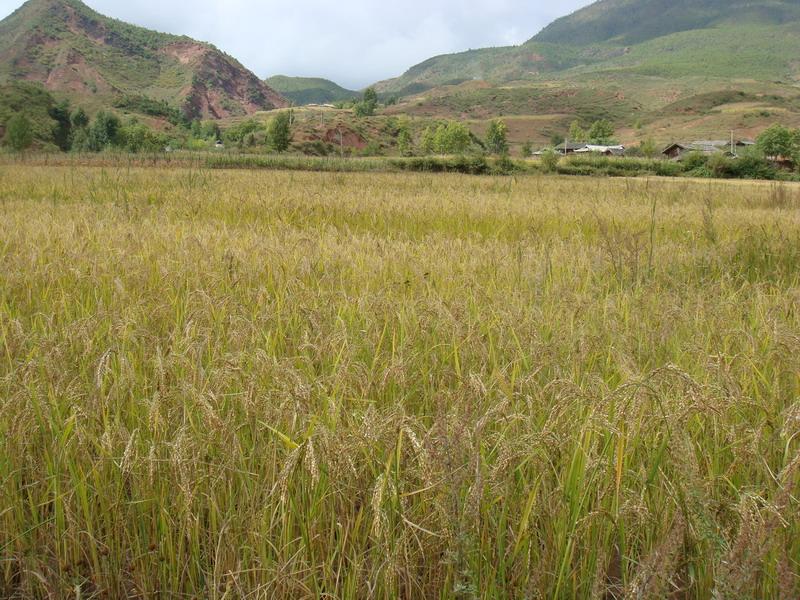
(77, 53)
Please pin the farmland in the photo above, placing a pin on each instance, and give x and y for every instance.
(247, 384)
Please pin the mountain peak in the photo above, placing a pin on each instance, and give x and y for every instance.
(72, 49)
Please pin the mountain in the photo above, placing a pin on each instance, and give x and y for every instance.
(509, 63)
(310, 90)
(753, 39)
(76, 52)
(629, 22)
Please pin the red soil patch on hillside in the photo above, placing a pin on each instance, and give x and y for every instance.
(185, 52)
(346, 137)
(74, 74)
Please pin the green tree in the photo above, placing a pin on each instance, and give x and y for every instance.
(459, 137)
(211, 131)
(451, 138)
(428, 141)
(778, 141)
(648, 148)
(440, 141)
(80, 120)
(62, 130)
(368, 104)
(196, 129)
(101, 134)
(19, 133)
(796, 156)
(577, 133)
(106, 128)
(280, 131)
(497, 137)
(601, 132)
(527, 149)
(405, 143)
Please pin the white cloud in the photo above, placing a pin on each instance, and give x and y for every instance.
(354, 42)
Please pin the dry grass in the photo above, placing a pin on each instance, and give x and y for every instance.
(298, 385)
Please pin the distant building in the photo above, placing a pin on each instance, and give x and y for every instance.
(678, 150)
(604, 150)
(566, 149)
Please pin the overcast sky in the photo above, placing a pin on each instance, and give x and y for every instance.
(354, 42)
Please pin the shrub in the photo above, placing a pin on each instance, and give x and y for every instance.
(648, 148)
(550, 160)
(694, 160)
(136, 137)
(316, 148)
(468, 165)
(373, 148)
(153, 108)
(666, 168)
(243, 133)
(752, 167)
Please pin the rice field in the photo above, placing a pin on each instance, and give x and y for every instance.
(257, 385)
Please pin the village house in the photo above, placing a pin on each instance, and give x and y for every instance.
(678, 150)
(564, 149)
(568, 149)
(604, 150)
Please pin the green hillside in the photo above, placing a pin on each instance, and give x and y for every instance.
(309, 90)
(757, 52)
(629, 22)
(497, 65)
(78, 53)
(750, 39)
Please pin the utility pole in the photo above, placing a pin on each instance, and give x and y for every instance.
(733, 145)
